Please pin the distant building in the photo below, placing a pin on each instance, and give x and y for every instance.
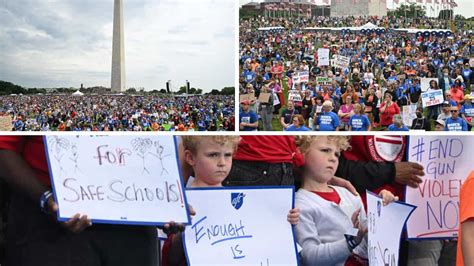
(344, 8)
(281, 8)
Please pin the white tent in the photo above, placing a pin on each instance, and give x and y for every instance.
(77, 93)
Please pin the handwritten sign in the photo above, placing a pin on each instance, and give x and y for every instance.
(264, 97)
(117, 179)
(247, 97)
(340, 61)
(447, 161)
(295, 96)
(323, 57)
(408, 114)
(245, 226)
(6, 123)
(425, 83)
(300, 77)
(432, 97)
(385, 225)
(324, 80)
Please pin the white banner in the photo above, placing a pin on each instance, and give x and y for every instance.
(432, 97)
(117, 179)
(301, 76)
(246, 226)
(447, 161)
(385, 225)
(323, 57)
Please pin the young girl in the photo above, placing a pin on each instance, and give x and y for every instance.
(328, 212)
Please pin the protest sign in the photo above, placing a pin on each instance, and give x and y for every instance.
(247, 97)
(301, 76)
(324, 80)
(6, 123)
(447, 161)
(238, 225)
(432, 97)
(264, 97)
(385, 225)
(340, 61)
(408, 114)
(295, 96)
(117, 179)
(323, 57)
(425, 83)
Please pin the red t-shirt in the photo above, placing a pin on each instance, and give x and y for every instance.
(270, 149)
(329, 196)
(386, 118)
(33, 152)
(380, 149)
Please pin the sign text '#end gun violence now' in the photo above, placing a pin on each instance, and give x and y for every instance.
(126, 179)
(447, 161)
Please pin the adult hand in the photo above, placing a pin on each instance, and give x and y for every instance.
(408, 173)
(340, 182)
(75, 224)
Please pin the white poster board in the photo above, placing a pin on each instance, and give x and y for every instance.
(300, 77)
(432, 97)
(340, 61)
(323, 57)
(447, 161)
(117, 179)
(425, 83)
(385, 225)
(408, 114)
(246, 226)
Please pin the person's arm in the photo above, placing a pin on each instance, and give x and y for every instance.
(467, 242)
(282, 122)
(22, 179)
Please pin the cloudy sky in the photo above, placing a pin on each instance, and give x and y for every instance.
(465, 7)
(63, 43)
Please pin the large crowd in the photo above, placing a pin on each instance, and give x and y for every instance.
(381, 85)
(119, 113)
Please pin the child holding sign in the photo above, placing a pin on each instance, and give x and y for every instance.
(332, 229)
(211, 160)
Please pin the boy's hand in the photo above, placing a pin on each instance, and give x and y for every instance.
(387, 197)
(75, 224)
(293, 216)
(362, 230)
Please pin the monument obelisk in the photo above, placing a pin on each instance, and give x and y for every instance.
(118, 56)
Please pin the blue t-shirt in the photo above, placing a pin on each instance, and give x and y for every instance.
(248, 117)
(328, 121)
(392, 127)
(467, 109)
(293, 128)
(455, 124)
(359, 122)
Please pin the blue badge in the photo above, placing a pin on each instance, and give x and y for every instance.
(237, 199)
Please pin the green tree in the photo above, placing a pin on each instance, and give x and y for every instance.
(228, 91)
(410, 11)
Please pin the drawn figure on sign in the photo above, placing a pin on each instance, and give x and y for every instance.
(74, 158)
(160, 150)
(141, 146)
(58, 148)
(379, 207)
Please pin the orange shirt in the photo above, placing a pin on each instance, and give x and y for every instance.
(466, 211)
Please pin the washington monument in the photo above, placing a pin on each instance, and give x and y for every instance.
(118, 56)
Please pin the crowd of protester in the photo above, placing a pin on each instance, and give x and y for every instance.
(384, 73)
(119, 113)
